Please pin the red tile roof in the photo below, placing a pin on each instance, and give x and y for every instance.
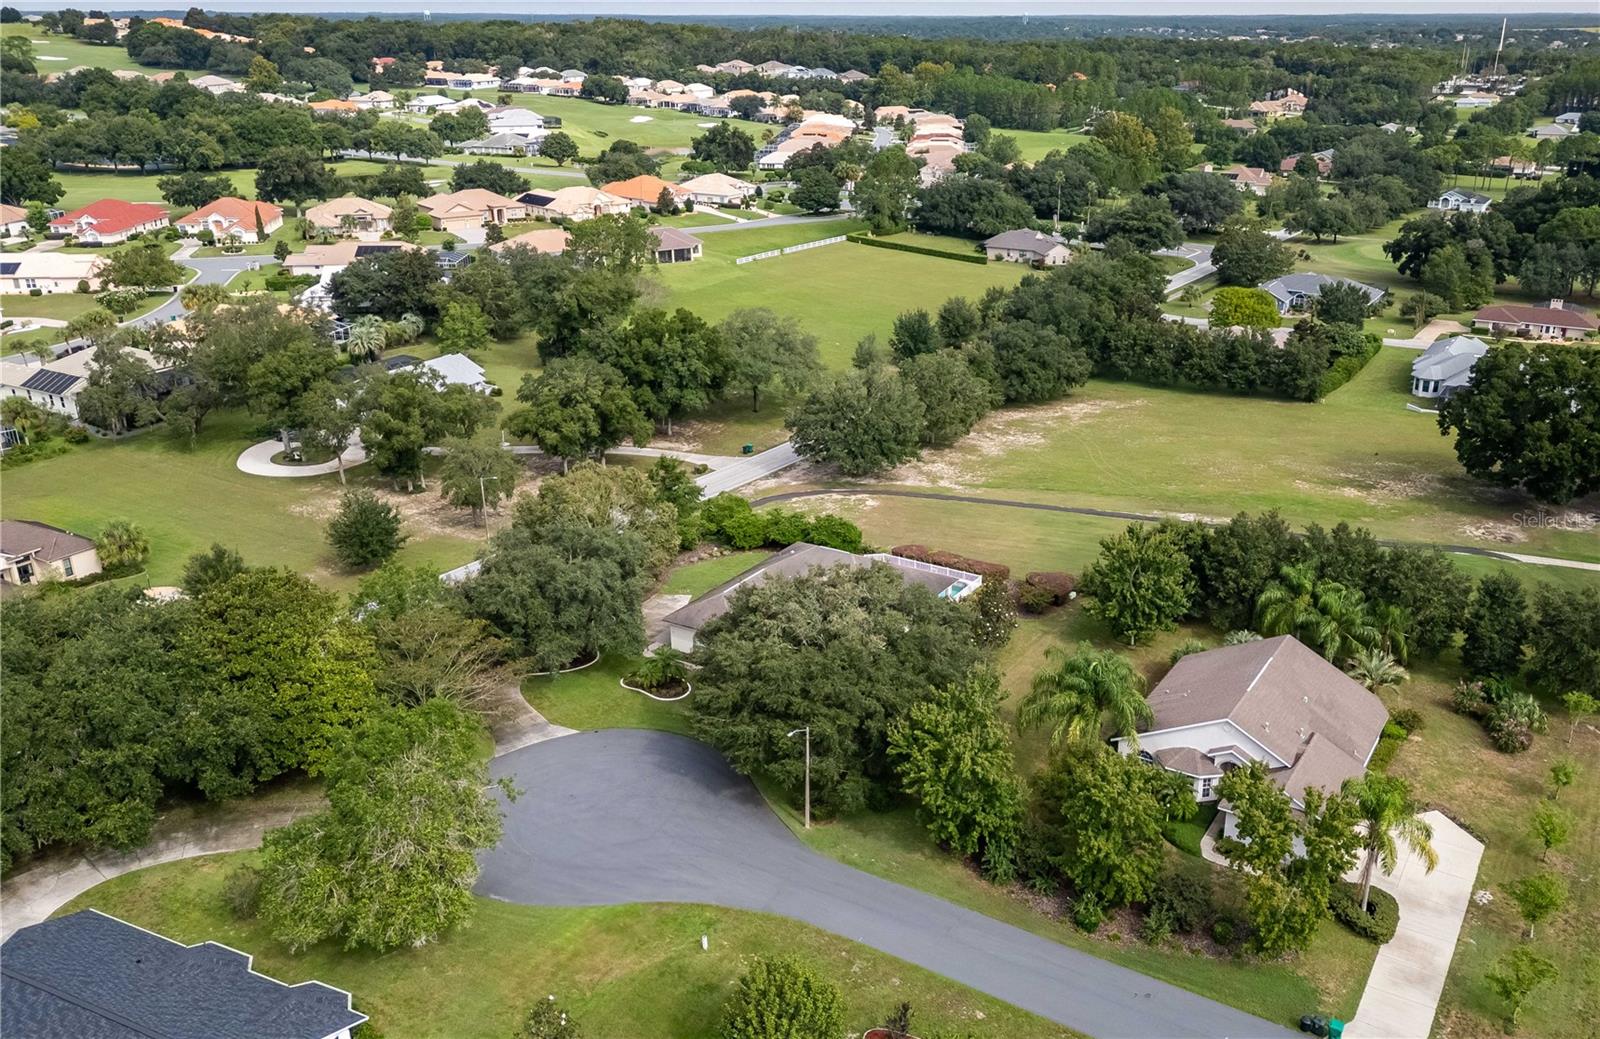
(112, 215)
(238, 210)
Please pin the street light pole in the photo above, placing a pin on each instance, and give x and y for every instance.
(807, 730)
(483, 502)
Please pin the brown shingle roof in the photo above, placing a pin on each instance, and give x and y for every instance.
(1559, 317)
(44, 542)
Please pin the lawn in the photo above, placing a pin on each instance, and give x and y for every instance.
(594, 699)
(185, 499)
(700, 577)
(76, 52)
(948, 243)
(593, 125)
(634, 970)
(1036, 144)
(83, 187)
(839, 293)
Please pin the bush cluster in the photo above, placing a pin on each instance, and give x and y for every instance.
(1379, 925)
(924, 554)
(729, 519)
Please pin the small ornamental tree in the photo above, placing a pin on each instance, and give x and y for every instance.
(1550, 826)
(1539, 896)
(782, 999)
(1251, 308)
(1517, 975)
(1141, 582)
(365, 531)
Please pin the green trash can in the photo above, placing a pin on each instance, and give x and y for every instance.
(749, 449)
(1335, 1028)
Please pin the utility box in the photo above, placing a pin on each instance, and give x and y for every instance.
(1335, 1028)
(749, 449)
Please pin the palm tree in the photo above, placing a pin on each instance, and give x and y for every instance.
(1325, 615)
(1376, 670)
(1389, 817)
(366, 337)
(28, 418)
(1285, 606)
(122, 544)
(1088, 692)
(1394, 627)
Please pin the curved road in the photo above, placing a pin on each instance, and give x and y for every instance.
(629, 815)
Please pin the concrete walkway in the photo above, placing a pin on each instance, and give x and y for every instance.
(515, 724)
(747, 470)
(257, 461)
(1402, 992)
(709, 461)
(656, 609)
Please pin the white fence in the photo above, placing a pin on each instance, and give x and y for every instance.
(791, 249)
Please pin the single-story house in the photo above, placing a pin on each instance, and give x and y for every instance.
(232, 216)
(552, 240)
(90, 974)
(1570, 118)
(1323, 159)
(464, 104)
(800, 559)
(33, 552)
(48, 272)
(734, 66)
(717, 189)
(13, 220)
(506, 143)
(853, 76)
(55, 384)
(1247, 127)
(1296, 291)
(774, 68)
(1476, 99)
(574, 203)
(463, 212)
(110, 221)
(1022, 246)
(216, 85)
(334, 106)
(336, 256)
(1552, 132)
(1557, 320)
(377, 99)
(1457, 200)
(458, 370)
(675, 246)
(1521, 169)
(423, 104)
(350, 214)
(1273, 701)
(1446, 366)
(1253, 179)
(644, 190)
(514, 119)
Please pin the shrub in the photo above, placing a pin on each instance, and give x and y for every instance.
(77, 435)
(1513, 721)
(782, 999)
(924, 250)
(832, 531)
(1059, 585)
(1391, 731)
(1468, 698)
(1088, 913)
(719, 511)
(1034, 598)
(745, 530)
(83, 287)
(980, 567)
(784, 527)
(1379, 925)
(1157, 926)
(36, 292)
(241, 892)
(1383, 754)
(1186, 647)
(1348, 366)
(1184, 893)
(1408, 719)
(1224, 930)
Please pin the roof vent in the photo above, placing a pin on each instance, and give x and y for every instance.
(1305, 699)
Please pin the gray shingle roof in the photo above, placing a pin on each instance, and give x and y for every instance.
(1036, 242)
(1449, 360)
(92, 976)
(47, 543)
(672, 238)
(1311, 284)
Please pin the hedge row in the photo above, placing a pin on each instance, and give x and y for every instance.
(924, 554)
(878, 243)
(1348, 366)
(1377, 926)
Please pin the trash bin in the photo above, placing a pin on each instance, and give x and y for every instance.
(749, 449)
(1335, 1028)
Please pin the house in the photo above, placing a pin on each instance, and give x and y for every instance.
(1552, 132)
(699, 90)
(674, 246)
(734, 67)
(469, 81)
(1253, 179)
(450, 259)
(232, 216)
(465, 103)
(55, 384)
(1272, 701)
(1522, 169)
(1476, 99)
(775, 69)
(1247, 127)
(48, 272)
(13, 220)
(510, 118)
(1572, 119)
(1458, 201)
(644, 190)
(798, 560)
(506, 143)
(33, 552)
(574, 203)
(1296, 291)
(572, 76)
(458, 370)
(1021, 246)
(816, 130)
(1446, 366)
(109, 221)
(669, 86)
(216, 85)
(425, 104)
(551, 240)
(329, 259)
(1558, 320)
(350, 214)
(464, 212)
(89, 974)
(853, 76)
(717, 189)
(1323, 159)
(1287, 102)
(377, 99)
(334, 106)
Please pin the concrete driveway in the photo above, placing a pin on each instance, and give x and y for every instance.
(620, 816)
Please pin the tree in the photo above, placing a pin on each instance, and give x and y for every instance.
(462, 327)
(1517, 974)
(725, 146)
(782, 998)
(622, 244)
(816, 190)
(1375, 670)
(768, 350)
(959, 321)
(207, 570)
(604, 89)
(1246, 255)
(559, 147)
(392, 861)
(674, 363)
(1563, 773)
(1141, 582)
(1098, 818)
(122, 546)
(490, 176)
(1034, 363)
(1325, 615)
(562, 594)
(1085, 696)
(263, 76)
(367, 337)
(1539, 896)
(1496, 627)
(26, 176)
(1531, 419)
(119, 393)
(845, 652)
(953, 396)
(1421, 308)
(1579, 706)
(431, 651)
(293, 174)
(883, 196)
(193, 189)
(142, 266)
(576, 408)
(1390, 817)
(1202, 201)
(1550, 826)
(952, 754)
(477, 475)
(863, 422)
(1342, 303)
(971, 207)
(914, 333)
(613, 498)
(365, 530)
(1147, 222)
(403, 217)
(389, 284)
(1131, 145)
(1251, 308)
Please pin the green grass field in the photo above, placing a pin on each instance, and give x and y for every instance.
(700, 577)
(593, 125)
(839, 293)
(635, 970)
(75, 52)
(1036, 144)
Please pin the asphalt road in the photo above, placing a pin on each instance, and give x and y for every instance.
(625, 815)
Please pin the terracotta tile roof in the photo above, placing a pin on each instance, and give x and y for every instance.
(112, 215)
(644, 189)
(241, 212)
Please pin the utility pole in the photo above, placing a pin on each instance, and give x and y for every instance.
(483, 503)
(1497, 50)
(807, 730)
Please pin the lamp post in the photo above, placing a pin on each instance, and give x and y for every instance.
(483, 502)
(807, 730)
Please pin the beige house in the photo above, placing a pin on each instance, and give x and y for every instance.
(1556, 320)
(33, 552)
(48, 272)
(13, 220)
(574, 203)
(552, 240)
(717, 189)
(1027, 247)
(466, 212)
(336, 256)
(675, 246)
(350, 215)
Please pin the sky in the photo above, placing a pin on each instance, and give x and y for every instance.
(867, 8)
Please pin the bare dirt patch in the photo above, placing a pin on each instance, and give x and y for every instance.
(1489, 530)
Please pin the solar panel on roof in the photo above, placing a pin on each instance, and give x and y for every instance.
(47, 381)
(368, 250)
(9, 268)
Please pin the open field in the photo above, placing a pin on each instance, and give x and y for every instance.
(1036, 144)
(634, 970)
(184, 499)
(76, 52)
(839, 293)
(593, 125)
(84, 187)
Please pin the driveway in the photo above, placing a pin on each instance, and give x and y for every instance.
(621, 815)
(747, 469)
(256, 460)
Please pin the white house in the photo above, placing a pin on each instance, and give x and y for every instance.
(33, 552)
(110, 221)
(48, 272)
(1446, 366)
(229, 216)
(512, 119)
(458, 370)
(718, 189)
(1570, 118)
(55, 384)
(424, 104)
(13, 220)
(1273, 701)
(1457, 200)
